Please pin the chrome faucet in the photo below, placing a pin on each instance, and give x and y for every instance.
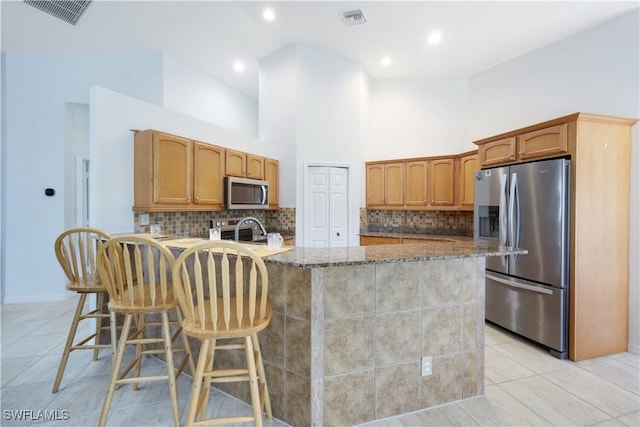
(247, 219)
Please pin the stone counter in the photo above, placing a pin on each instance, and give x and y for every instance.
(350, 326)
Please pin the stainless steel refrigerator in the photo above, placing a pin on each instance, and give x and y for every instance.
(527, 206)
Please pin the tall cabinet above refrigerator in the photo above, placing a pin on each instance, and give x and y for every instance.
(576, 231)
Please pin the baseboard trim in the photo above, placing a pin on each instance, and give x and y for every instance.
(633, 348)
(36, 298)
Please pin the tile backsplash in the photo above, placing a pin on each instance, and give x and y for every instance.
(284, 220)
(173, 223)
(458, 223)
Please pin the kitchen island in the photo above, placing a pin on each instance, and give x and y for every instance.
(350, 327)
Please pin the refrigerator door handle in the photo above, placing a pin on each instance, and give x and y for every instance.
(514, 215)
(519, 285)
(503, 221)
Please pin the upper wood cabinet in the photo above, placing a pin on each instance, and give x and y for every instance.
(466, 179)
(272, 175)
(208, 164)
(172, 173)
(244, 165)
(385, 184)
(497, 152)
(416, 193)
(441, 182)
(394, 184)
(375, 185)
(547, 142)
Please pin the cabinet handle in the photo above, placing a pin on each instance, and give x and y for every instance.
(522, 153)
(197, 198)
(511, 156)
(188, 197)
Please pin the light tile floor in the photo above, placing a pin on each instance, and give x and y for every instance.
(524, 384)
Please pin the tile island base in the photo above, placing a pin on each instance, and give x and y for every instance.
(350, 327)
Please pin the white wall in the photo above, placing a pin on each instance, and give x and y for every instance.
(597, 71)
(191, 92)
(37, 88)
(277, 98)
(314, 110)
(111, 150)
(44, 95)
(414, 118)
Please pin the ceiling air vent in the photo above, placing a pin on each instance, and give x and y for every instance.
(354, 17)
(68, 11)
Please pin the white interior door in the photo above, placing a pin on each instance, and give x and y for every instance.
(326, 210)
(338, 207)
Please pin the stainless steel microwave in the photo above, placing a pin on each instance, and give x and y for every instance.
(244, 193)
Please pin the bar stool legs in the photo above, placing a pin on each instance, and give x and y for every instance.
(118, 375)
(98, 314)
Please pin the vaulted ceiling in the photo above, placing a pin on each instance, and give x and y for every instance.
(212, 35)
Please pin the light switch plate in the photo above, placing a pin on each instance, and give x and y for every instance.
(144, 219)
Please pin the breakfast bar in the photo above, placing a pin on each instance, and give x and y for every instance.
(351, 326)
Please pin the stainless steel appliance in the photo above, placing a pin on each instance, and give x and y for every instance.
(248, 231)
(527, 206)
(244, 193)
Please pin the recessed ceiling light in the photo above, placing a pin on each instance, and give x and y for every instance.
(268, 15)
(386, 61)
(434, 38)
(238, 66)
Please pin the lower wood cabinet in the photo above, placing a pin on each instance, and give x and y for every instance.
(371, 240)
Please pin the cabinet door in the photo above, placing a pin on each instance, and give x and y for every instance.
(542, 143)
(255, 167)
(468, 168)
(172, 163)
(207, 177)
(371, 240)
(375, 185)
(416, 183)
(497, 152)
(272, 175)
(235, 163)
(441, 182)
(394, 184)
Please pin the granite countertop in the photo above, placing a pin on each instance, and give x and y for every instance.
(411, 235)
(355, 255)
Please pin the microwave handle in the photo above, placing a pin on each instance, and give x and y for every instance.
(264, 194)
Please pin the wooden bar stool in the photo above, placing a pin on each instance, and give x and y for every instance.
(76, 252)
(222, 288)
(136, 272)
